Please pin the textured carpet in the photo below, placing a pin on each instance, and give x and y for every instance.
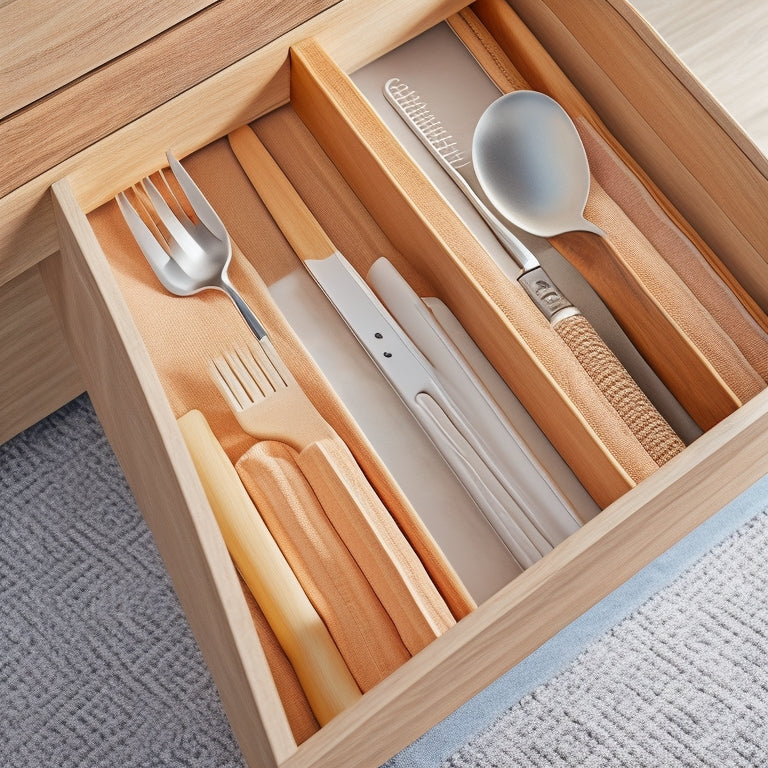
(98, 666)
(683, 681)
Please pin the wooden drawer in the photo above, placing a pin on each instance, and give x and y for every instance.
(660, 116)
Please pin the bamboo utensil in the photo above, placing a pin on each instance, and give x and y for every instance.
(269, 404)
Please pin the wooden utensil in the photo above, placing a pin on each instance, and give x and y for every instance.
(530, 162)
(325, 678)
(269, 404)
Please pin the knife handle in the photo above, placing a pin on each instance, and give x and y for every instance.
(320, 668)
(602, 366)
(290, 212)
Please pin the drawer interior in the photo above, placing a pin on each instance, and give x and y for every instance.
(342, 151)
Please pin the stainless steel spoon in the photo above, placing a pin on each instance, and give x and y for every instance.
(531, 164)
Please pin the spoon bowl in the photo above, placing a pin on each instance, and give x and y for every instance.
(531, 164)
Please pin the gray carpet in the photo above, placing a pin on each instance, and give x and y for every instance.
(98, 666)
(683, 681)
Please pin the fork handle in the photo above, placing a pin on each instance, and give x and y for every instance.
(250, 318)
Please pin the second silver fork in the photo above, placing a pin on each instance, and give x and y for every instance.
(187, 257)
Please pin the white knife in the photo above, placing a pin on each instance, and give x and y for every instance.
(509, 457)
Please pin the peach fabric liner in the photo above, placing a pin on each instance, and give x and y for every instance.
(677, 250)
(182, 335)
(361, 628)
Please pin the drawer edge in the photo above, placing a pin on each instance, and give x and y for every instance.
(146, 439)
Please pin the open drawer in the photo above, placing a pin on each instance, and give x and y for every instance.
(371, 196)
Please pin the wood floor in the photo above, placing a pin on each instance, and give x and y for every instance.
(725, 44)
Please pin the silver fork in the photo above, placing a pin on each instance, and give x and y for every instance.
(188, 257)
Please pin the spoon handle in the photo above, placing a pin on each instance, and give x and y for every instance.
(620, 389)
(657, 335)
(650, 428)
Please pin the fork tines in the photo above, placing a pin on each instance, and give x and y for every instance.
(248, 374)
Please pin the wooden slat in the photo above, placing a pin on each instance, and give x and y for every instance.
(354, 32)
(44, 134)
(553, 592)
(46, 45)
(675, 129)
(512, 333)
(147, 440)
(37, 373)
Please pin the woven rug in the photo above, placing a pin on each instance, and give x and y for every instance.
(98, 666)
(683, 681)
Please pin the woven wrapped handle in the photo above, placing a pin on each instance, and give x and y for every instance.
(620, 389)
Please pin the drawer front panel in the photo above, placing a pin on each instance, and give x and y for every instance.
(103, 98)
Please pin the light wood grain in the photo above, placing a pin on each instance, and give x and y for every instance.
(724, 45)
(37, 373)
(81, 112)
(46, 45)
(144, 435)
(355, 33)
(688, 144)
